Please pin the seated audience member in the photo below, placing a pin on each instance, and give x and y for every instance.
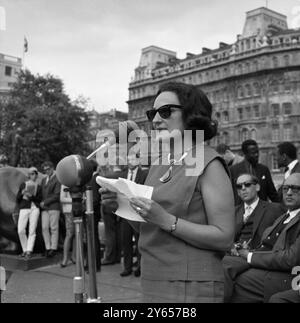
(229, 157)
(254, 215)
(28, 199)
(256, 275)
(250, 165)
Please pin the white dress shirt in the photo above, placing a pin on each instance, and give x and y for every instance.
(249, 208)
(290, 166)
(132, 174)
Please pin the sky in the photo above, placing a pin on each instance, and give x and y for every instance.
(95, 45)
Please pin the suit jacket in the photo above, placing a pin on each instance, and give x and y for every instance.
(267, 188)
(51, 193)
(263, 216)
(141, 175)
(286, 251)
(279, 262)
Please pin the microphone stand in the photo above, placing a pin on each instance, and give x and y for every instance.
(79, 280)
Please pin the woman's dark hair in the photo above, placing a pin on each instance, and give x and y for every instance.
(197, 111)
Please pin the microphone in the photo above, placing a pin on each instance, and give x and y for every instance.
(74, 170)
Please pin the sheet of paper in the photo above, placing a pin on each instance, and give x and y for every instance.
(125, 190)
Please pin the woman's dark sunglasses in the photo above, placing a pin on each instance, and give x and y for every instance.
(246, 184)
(164, 111)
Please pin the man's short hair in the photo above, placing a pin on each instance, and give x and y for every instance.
(288, 148)
(247, 143)
(222, 148)
(47, 163)
(254, 179)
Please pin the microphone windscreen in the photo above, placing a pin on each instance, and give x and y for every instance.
(74, 170)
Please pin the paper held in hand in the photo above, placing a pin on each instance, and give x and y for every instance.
(125, 190)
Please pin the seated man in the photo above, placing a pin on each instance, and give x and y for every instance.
(254, 215)
(258, 274)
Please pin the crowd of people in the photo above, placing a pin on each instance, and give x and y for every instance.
(224, 234)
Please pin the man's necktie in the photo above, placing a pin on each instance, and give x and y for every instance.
(130, 175)
(248, 210)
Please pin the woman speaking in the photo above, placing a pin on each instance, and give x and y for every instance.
(190, 219)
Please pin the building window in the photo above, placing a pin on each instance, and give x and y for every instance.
(240, 92)
(286, 59)
(274, 87)
(8, 70)
(275, 133)
(240, 113)
(275, 61)
(287, 132)
(287, 86)
(256, 111)
(248, 90)
(245, 134)
(225, 116)
(275, 110)
(218, 116)
(274, 163)
(248, 113)
(255, 65)
(287, 108)
(253, 134)
(256, 89)
(240, 69)
(226, 138)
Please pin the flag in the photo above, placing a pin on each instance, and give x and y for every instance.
(25, 45)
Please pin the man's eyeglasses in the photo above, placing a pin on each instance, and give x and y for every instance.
(246, 184)
(295, 188)
(164, 111)
(46, 169)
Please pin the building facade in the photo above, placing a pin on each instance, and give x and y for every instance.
(253, 84)
(10, 67)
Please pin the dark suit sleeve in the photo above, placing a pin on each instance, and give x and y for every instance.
(282, 260)
(272, 193)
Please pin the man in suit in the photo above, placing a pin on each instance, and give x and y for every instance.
(287, 159)
(265, 271)
(50, 206)
(138, 175)
(254, 215)
(251, 166)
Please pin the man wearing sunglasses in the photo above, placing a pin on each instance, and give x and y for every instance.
(252, 166)
(254, 215)
(260, 273)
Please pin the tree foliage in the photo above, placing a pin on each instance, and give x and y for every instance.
(39, 122)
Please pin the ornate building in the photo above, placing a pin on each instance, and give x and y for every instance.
(253, 84)
(10, 67)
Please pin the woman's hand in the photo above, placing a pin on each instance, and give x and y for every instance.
(152, 212)
(108, 200)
